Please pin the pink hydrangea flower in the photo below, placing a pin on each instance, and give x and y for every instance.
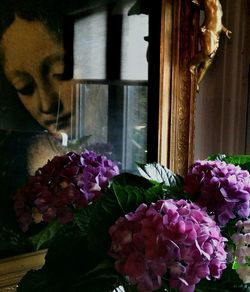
(224, 189)
(66, 182)
(169, 238)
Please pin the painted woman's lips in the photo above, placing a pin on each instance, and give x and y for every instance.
(60, 123)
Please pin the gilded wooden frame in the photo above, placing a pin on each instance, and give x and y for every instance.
(14, 268)
(179, 33)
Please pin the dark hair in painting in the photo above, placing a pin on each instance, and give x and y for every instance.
(54, 14)
(48, 12)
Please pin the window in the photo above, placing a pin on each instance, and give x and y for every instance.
(111, 75)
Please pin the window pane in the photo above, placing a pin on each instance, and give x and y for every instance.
(134, 48)
(90, 34)
(107, 34)
(135, 126)
(112, 119)
(111, 74)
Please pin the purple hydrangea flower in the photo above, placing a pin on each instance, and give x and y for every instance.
(224, 189)
(64, 183)
(173, 238)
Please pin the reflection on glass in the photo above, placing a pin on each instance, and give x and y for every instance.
(113, 119)
(89, 103)
(113, 41)
(135, 126)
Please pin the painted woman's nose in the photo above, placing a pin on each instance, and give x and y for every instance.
(48, 100)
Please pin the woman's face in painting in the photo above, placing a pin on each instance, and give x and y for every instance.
(34, 65)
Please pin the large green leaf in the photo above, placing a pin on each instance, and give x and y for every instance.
(102, 277)
(242, 160)
(13, 242)
(68, 255)
(46, 234)
(125, 194)
(70, 272)
(105, 211)
(35, 281)
(68, 266)
(229, 281)
(155, 193)
(160, 174)
(82, 218)
(218, 156)
(128, 197)
(130, 179)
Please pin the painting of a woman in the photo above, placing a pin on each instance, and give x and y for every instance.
(34, 68)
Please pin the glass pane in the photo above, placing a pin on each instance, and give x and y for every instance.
(90, 34)
(111, 40)
(111, 119)
(134, 48)
(90, 107)
(111, 74)
(135, 126)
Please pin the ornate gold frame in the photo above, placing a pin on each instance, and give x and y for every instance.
(14, 268)
(179, 32)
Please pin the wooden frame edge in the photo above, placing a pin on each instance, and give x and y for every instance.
(14, 268)
(179, 34)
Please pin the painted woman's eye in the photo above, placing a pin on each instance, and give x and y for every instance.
(27, 89)
(58, 76)
(61, 76)
(56, 70)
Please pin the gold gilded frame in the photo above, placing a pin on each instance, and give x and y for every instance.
(179, 30)
(14, 268)
(179, 39)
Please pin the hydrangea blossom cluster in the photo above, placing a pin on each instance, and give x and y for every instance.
(64, 183)
(241, 240)
(224, 189)
(169, 238)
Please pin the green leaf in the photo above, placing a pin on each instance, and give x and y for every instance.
(73, 271)
(105, 282)
(69, 256)
(160, 174)
(246, 166)
(234, 159)
(130, 179)
(155, 193)
(34, 281)
(238, 159)
(242, 160)
(82, 218)
(130, 192)
(13, 242)
(126, 192)
(128, 197)
(229, 281)
(46, 234)
(105, 211)
(216, 157)
(102, 277)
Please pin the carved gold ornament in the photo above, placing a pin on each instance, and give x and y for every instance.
(209, 37)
